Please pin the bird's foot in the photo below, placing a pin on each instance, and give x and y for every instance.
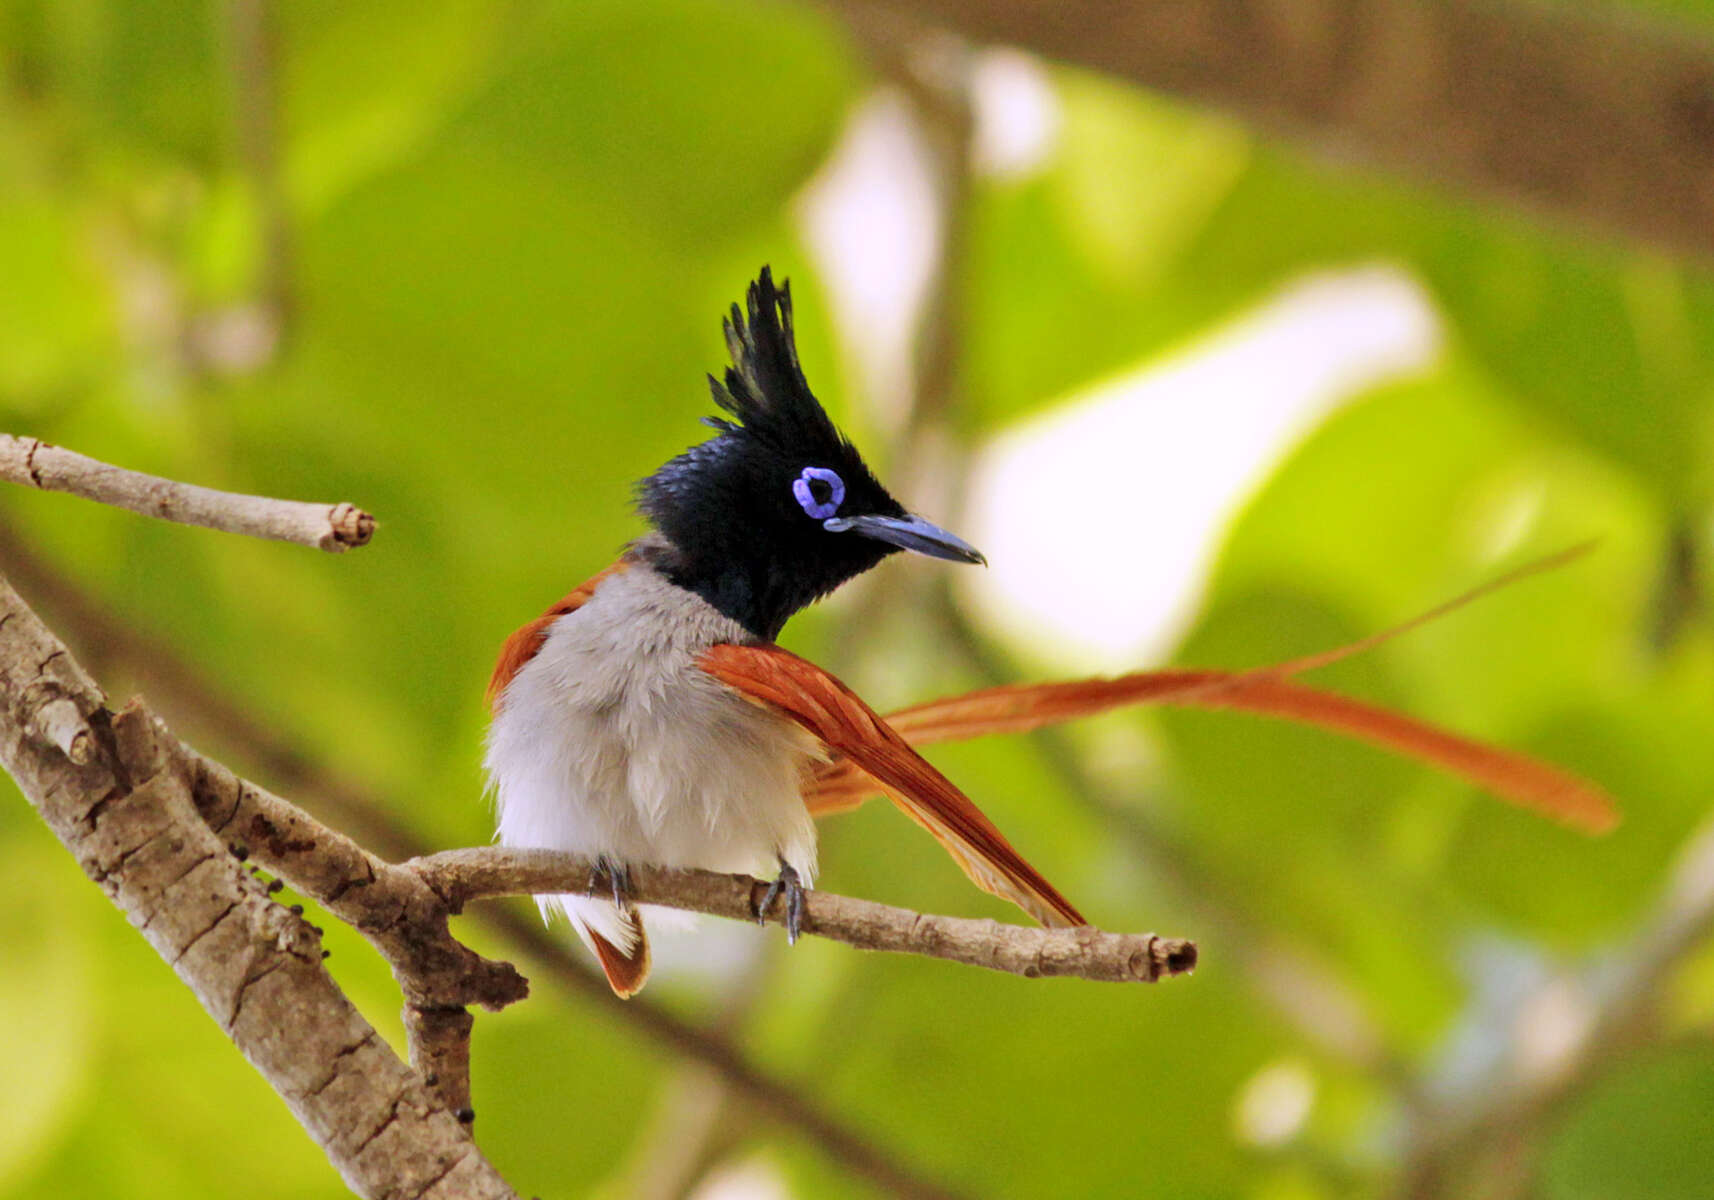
(791, 887)
(613, 876)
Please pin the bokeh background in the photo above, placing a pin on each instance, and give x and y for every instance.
(1202, 395)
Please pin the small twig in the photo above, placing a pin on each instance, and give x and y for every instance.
(1085, 953)
(37, 464)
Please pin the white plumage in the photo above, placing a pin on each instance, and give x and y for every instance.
(611, 741)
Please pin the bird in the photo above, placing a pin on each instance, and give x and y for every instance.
(650, 717)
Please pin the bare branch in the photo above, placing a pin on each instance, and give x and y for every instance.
(37, 464)
(1085, 953)
(1594, 115)
(126, 814)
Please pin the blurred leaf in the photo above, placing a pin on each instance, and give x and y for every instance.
(136, 1126)
(143, 80)
(53, 310)
(1559, 887)
(49, 1002)
(1056, 1083)
(1294, 816)
(692, 148)
(1066, 269)
(1137, 176)
(366, 85)
(560, 1100)
(1638, 1133)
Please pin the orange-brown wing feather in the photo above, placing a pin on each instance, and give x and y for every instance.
(526, 643)
(832, 712)
(1522, 780)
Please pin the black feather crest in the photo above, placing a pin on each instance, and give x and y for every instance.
(764, 387)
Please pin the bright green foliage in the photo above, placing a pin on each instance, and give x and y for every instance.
(510, 231)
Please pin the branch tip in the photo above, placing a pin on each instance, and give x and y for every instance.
(349, 527)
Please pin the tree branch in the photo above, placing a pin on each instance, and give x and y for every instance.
(37, 464)
(1085, 952)
(1594, 115)
(406, 922)
(126, 813)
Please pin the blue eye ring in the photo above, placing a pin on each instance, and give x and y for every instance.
(806, 498)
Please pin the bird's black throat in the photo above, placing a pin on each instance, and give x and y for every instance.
(757, 589)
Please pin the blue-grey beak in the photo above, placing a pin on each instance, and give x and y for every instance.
(909, 533)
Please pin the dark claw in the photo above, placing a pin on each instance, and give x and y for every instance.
(794, 911)
(615, 875)
(793, 889)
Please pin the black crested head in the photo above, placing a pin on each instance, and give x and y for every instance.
(778, 508)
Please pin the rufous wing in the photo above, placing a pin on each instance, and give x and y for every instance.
(524, 644)
(831, 711)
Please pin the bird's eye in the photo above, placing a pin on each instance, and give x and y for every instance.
(819, 491)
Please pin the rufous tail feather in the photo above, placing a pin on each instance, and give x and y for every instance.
(842, 784)
(626, 973)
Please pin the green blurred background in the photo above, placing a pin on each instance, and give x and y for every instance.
(463, 264)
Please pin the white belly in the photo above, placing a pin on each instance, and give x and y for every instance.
(611, 741)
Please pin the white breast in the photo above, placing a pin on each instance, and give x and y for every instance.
(612, 741)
